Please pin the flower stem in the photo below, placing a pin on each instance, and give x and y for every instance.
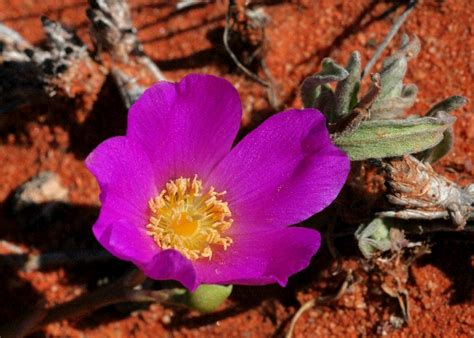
(118, 292)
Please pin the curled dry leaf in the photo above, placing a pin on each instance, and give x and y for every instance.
(421, 193)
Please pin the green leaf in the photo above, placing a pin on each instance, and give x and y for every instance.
(394, 97)
(391, 77)
(441, 149)
(325, 101)
(311, 87)
(448, 105)
(390, 138)
(354, 99)
(347, 88)
(394, 68)
(394, 107)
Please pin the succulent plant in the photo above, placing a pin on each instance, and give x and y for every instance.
(375, 125)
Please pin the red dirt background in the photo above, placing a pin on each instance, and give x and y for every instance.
(300, 34)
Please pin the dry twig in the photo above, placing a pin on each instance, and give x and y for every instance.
(123, 290)
(323, 300)
(333, 250)
(13, 45)
(69, 65)
(257, 19)
(393, 31)
(29, 74)
(231, 12)
(114, 35)
(394, 272)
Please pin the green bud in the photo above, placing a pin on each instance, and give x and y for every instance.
(206, 298)
(374, 237)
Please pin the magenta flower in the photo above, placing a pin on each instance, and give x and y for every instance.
(180, 203)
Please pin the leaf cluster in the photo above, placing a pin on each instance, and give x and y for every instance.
(375, 125)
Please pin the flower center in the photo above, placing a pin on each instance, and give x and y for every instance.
(185, 218)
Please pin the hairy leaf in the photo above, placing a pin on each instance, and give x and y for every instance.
(441, 149)
(390, 138)
(346, 90)
(395, 107)
(311, 87)
(448, 105)
(395, 98)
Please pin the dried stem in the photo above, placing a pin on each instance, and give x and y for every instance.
(128, 87)
(66, 67)
(12, 247)
(323, 300)
(13, 45)
(393, 31)
(114, 34)
(413, 229)
(182, 5)
(230, 10)
(257, 19)
(29, 75)
(69, 64)
(332, 249)
(119, 292)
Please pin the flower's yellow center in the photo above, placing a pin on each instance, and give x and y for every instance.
(185, 218)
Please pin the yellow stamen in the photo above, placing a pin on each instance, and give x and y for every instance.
(185, 218)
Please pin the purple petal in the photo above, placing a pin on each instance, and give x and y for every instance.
(170, 264)
(261, 258)
(125, 176)
(124, 170)
(127, 242)
(283, 172)
(188, 127)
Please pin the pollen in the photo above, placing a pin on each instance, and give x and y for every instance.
(189, 219)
